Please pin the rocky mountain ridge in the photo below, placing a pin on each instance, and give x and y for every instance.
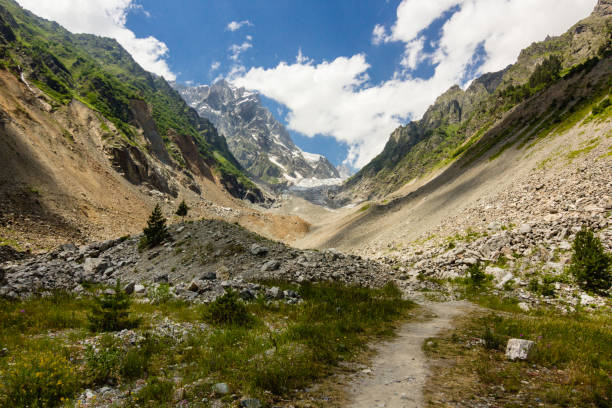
(459, 118)
(258, 141)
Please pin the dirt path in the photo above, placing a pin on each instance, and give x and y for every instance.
(399, 370)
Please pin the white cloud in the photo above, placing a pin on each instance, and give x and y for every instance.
(335, 98)
(106, 18)
(215, 66)
(379, 34)
(237, 49)
(237, 25)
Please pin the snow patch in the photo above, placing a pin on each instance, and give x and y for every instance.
(312, 158)
(274, 160)
(307, 183)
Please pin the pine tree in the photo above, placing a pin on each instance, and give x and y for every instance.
(109, 312)
(156, 231)
(590, 263)
(182, 209)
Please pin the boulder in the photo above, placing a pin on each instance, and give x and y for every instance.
(94, 265)
(139, 289)
(250, 403)
(525, 229)
(270, 266)
(469, 261)
(209, 276)
(259, 250)
(194, 286)
(274, 293)
(163, 278)
(221, 388)
(129, 288)
(505, 279)
(518, 349)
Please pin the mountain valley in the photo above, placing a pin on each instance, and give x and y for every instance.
(469, 264)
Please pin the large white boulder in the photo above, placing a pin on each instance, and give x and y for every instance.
(518, 349)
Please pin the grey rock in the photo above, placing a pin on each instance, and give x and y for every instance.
(195, 286)
(163, 278)
(247, 294)
(221, 388)
(291, 294)
(271, 265)
(129, 288)
(274, 293)
(259, 250)
(69, 247)
(209, 276)
(139, 289)
(525, 229)
(94, 265)
(518, 349)
(524, 306)
(505, 279)
(250, 403)
(469, 261)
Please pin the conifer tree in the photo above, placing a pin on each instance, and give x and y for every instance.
(156, 231)
(590, 263)
(182, 209)
(109, 312)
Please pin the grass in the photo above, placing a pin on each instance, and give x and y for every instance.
(365, 208)
(570, 364)
(282, 348)
(590, 145)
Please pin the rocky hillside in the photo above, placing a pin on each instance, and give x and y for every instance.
(147, 125)
(200, 261)
(259, 142)
(459, 118)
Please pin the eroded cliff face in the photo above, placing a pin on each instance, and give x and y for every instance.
(67, 174)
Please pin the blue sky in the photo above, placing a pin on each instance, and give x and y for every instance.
(364, 68)
(322, 29)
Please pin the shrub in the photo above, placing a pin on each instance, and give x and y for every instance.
(43, 379)
(103, 366)
(109, 312)
(590, 264)
(160, 294)
(157, 390)
(182, 209)
(476, 274)
(156, 231)
(491, 340)
(228, 310)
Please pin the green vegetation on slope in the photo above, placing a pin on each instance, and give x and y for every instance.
(101, 74)
(463, 123)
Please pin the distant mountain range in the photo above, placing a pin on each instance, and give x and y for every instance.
(259, 142)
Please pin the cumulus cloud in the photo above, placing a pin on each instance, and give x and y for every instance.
(336, 99)
(106, 18)
(237, 25)
(237, 49)
(215, 66)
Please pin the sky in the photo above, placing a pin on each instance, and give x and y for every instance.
(342, 74)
